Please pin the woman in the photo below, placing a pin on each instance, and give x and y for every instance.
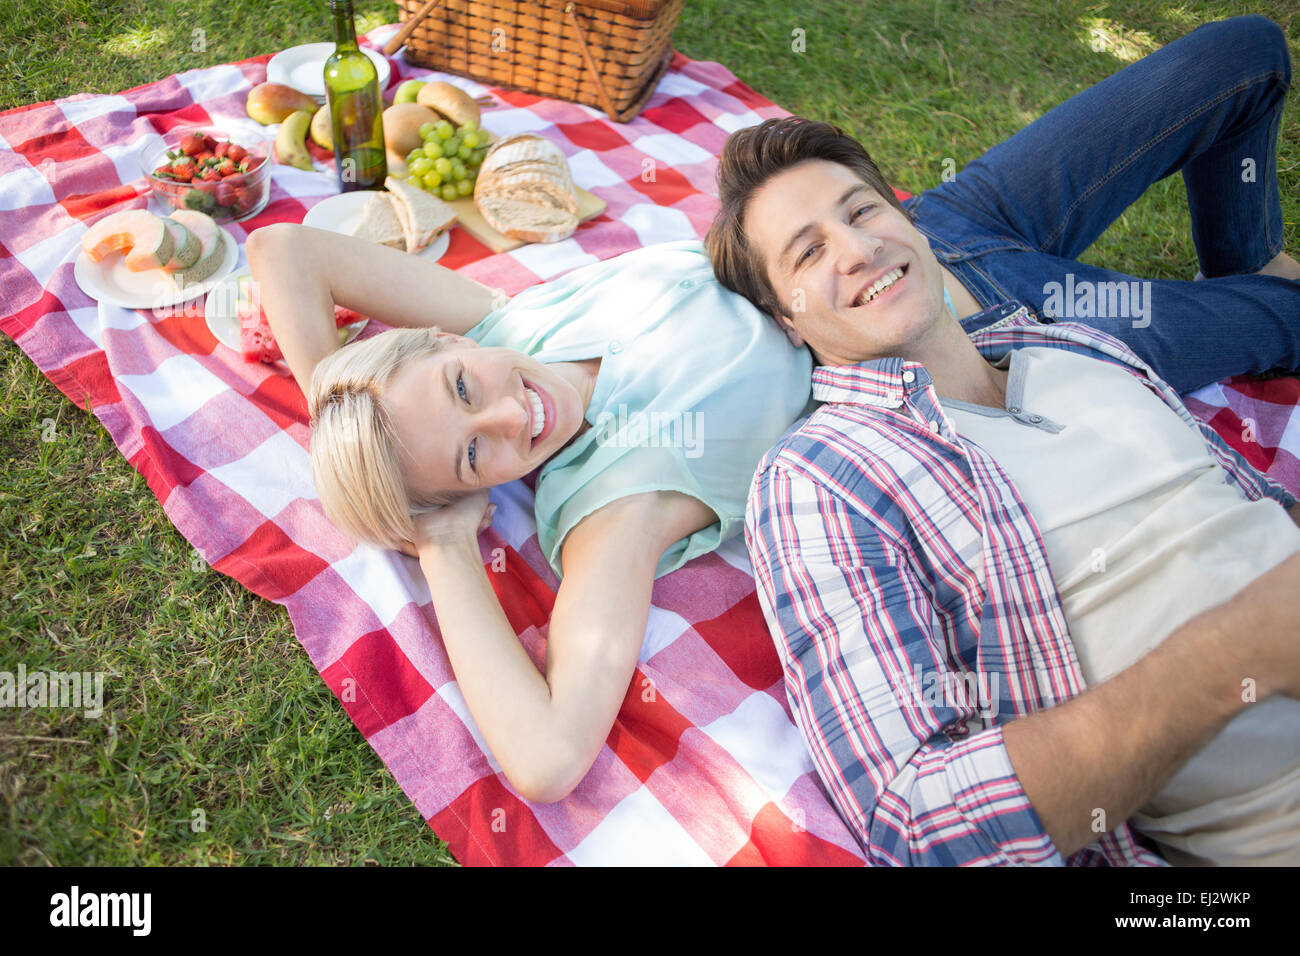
(643, 391)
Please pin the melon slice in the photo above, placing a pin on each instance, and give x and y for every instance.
(140, 234)
(212, 248)
(185, 247)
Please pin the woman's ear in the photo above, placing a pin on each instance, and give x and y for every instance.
(457, 341)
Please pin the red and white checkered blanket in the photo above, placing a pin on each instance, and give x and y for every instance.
(704, 764)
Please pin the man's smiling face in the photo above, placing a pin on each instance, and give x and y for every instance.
(855, 278)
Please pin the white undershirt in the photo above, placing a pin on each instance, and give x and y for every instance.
(1142, 533)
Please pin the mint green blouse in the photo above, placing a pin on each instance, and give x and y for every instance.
(695, 385)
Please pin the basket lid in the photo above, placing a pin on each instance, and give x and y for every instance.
(636, 9)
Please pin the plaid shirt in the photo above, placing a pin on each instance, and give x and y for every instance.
(908, 592)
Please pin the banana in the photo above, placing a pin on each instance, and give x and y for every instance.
(291, 140)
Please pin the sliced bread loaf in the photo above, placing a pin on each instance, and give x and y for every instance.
(529, 221)
(525, 190)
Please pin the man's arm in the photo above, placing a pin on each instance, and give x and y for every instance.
(304, 272)
(1114, 746)
(851, 620)
(860, 640)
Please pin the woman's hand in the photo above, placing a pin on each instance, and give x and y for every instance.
(458, 523)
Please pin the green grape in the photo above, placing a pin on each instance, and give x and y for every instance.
(449, 192)
(450, 146)
(413, 155)
(477, 158)
(427, 130)
(415, 181)
(431, 150)
(442, 165)
(445, 129)
(431, 180)
(464, 187)
(469, 138)
(458, 169)
(420, 166)
(464, 152)
(469, 127)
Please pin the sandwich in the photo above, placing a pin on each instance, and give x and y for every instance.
(404, 217)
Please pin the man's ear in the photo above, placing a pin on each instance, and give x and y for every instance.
(787, 325)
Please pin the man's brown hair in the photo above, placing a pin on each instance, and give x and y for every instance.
(750, 158)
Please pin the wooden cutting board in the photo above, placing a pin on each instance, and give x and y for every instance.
(471, 220)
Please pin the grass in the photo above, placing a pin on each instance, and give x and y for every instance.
(210, 703)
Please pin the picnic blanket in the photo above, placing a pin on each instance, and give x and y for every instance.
(704, 764)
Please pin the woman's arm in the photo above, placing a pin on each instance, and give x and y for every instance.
(546, 731)
(304, 272)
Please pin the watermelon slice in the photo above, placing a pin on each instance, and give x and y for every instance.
(256, 341)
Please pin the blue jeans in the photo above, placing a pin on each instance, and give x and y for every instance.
(1011, 224)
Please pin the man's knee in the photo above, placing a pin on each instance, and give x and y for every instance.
(1255, 39)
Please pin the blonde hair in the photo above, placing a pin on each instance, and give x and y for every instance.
(355, 459)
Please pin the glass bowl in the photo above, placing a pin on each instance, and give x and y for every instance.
(226, 195)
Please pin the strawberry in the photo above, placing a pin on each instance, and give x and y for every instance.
(224, 194)
(164, 171)
(191, 144)
(254, 162)
(236, 152)
(227, 168)
(209, 143)
(210, 175)
(183, 172)
(221, 149)
(204, 156)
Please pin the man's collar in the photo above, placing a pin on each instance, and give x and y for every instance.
(885, 382)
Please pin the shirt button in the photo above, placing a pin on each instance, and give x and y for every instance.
(1035, 418)
(909, 376)
(615, 347)
(934, 425)
(686, 283)
(1014, 410)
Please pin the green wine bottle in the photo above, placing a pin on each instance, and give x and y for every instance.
(356, 107)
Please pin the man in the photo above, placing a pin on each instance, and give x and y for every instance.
(1027, 606)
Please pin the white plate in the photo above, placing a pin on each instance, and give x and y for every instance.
(342, 213)
(303, 68)
(222, 315)
(110, 281)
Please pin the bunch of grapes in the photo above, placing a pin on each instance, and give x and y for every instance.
(447, 164)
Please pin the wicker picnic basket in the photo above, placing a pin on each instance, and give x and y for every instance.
(608, 54)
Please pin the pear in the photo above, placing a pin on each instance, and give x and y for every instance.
(322, 132)
(270, 103)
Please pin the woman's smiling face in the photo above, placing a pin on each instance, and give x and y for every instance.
(468, 417)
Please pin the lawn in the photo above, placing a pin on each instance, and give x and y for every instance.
(219, 743)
